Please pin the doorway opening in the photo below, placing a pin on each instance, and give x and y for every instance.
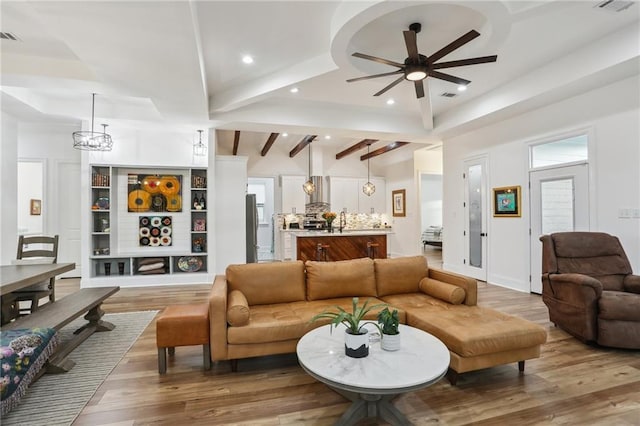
(263, 188)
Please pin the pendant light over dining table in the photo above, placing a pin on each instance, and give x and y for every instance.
(90, 140)
(368, 188)
(309, 187)
(199, 148)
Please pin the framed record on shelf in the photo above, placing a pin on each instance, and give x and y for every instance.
(154, 192)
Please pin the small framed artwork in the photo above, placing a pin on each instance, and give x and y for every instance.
(36, 207)
(398, 198)
(506, 201)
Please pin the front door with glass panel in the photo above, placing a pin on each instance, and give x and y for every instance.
(559, 203)
(475, 219)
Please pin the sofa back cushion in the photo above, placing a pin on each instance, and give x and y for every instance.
(266, 283)
(596, 254)
(400, 275)
(345, 278)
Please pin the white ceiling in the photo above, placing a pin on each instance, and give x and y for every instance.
(179, 64)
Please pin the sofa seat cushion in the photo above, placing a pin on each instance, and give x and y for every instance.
(286, 321)
(345, 278)
(619, 305)
(468, 330)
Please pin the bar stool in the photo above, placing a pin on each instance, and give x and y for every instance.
(321, 252)
(371, 249)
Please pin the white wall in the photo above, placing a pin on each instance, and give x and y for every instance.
(8, 189)
(428, 163)
(612, 113)
(230, 232)
(30, 187)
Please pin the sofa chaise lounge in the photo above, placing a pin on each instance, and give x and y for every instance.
(264, 309)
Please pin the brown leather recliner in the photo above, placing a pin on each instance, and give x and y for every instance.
(588, 286)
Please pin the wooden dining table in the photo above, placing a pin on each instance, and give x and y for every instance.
(16, 277)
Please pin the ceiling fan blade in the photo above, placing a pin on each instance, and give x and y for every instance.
(447, 77)
(366, 77)
(393, 84)
(379, 60)
(461, 41)
(464, 62)
(412, 45)
(419, 88)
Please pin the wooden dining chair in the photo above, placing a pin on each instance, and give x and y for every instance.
(45, 251)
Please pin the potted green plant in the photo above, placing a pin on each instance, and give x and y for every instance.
(389, 324)
(356, 338)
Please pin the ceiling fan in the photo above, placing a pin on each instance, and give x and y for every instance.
(417, 67)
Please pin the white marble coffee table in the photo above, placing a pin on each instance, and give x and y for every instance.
(372, 382)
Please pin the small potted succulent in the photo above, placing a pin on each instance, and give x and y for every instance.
(388, 324)
(356, 338)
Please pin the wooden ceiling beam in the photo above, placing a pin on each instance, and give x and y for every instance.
(353, 148)
(384, 149)
(303, 143)
(236, 142)
(270, 141)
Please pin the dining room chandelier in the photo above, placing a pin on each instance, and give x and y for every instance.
(309, 187)
(368, 188)
(199, 148)
(90, 140)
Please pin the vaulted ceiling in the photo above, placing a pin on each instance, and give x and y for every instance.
(179, 64)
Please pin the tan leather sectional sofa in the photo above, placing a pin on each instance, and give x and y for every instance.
(263, 309)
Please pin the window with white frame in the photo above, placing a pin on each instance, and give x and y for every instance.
(561, 151)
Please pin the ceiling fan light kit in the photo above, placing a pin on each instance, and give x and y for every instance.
(417, 67)
(90, 140)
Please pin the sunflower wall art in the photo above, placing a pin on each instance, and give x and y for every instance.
(154, 193)
(155, 231)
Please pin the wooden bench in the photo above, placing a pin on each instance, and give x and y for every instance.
(60, 313)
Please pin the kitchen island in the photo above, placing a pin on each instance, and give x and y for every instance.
(351, 244)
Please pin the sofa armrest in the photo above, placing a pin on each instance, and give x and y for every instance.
(632, 284)
(469, 285)
(575, 289)
(218, 318)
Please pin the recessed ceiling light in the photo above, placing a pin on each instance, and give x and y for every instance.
(284, 135)
(390, 102)
(327, 137)
(462, 88)
(247, 59)
(294, 90)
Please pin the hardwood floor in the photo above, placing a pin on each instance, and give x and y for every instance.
(570, 384)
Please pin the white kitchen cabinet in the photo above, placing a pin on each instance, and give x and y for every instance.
(347, 192)
(293, 196)
(377, 201)
(343, 194)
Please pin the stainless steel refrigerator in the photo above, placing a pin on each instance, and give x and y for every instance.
(252, 228)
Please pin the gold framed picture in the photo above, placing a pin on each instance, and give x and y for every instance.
(399, 207)
(506, 201)
(36, 207)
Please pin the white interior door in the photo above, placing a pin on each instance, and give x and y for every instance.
(559, 203)
(476, 218)
(68, 208)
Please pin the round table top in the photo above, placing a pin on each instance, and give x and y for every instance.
(421, 361)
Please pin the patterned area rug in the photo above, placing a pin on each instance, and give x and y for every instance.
(57, 399)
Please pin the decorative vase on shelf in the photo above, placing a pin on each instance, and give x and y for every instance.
(356, 345)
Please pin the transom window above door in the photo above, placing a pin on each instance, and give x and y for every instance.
(561, 151)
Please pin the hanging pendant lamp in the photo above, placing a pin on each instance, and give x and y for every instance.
(368, 188)
(199, 148)
(309, 187)
(93, 141)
